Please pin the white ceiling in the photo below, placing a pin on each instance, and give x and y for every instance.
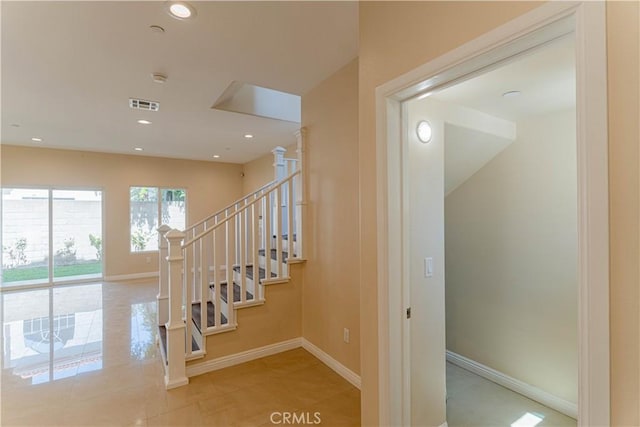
(69, 68)
(546, 79)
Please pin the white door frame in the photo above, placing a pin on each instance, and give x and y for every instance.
(587, 21)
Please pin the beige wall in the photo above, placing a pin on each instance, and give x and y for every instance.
(260, 171)
(209, 185)
(511, 259)
(396, 37)
(331, 280)
(623, 46)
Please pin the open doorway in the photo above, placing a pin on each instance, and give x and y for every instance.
(413, 389)
(498, 175)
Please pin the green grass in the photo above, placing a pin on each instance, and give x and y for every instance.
(40, 273)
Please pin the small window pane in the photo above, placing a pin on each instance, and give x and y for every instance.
(173, 208)
(144, 219)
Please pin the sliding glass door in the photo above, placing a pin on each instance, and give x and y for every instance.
(50, 235)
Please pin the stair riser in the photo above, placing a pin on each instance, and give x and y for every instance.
(285, 245)
(249, 282)
(274, 265)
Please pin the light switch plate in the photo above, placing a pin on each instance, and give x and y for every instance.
(428, 267)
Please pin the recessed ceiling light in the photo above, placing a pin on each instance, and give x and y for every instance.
(36, 139)
(138, 149)
(215, 156)
(511, 94)
(180, 9)
(248, 136)
(156, 29)
(144, 122)
(159, 78)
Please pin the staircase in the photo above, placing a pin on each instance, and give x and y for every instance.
(222, 263)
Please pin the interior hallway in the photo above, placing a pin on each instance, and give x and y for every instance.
(475, 401)
(105, 368)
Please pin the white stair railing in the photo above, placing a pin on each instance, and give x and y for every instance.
(233, 245)
(221, 263)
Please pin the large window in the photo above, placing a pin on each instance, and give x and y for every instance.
(150, 207)
(50, 235)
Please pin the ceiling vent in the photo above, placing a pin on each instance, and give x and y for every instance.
(141, 104)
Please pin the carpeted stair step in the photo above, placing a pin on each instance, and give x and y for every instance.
(236, 292)
(195, 315)
(162, 332)
(274, 254)
(262, 273)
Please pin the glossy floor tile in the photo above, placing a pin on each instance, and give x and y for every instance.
(86, 355)
(475, 401)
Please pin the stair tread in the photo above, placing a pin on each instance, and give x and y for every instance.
(274, 254)
(262, 273)
(195, 314)
(162, 332)
(236, 292)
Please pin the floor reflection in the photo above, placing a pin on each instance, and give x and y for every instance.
(54, 333)
(143, 330)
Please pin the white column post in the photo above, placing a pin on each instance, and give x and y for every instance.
(301, 194)
(163, 276)
(176, 364)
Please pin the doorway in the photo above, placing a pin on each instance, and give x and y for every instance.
(401, 261)
(497, 230)
(51, 235)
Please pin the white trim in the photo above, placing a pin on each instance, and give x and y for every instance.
(561, 405)
(269, 350)
(242, 357)
(444, 424)
(509, 40)
(338, 367)
(134, 276)
(169, 384)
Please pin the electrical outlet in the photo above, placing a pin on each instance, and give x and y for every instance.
(345, 336)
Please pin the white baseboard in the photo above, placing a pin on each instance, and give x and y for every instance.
(570, 409)
(242, 357)
(269, 350)
(135, 276)
(338, 367)
(444, 424)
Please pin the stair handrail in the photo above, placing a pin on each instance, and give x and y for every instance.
(229, 206)
(277, 184)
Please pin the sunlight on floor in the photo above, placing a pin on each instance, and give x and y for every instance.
(528, 420)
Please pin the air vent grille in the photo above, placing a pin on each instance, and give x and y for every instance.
(141, 104)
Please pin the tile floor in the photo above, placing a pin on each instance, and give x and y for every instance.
(475, 401)
(102, 367)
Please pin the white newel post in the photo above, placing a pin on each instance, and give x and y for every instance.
(301, 192)
(278, 163)
(163, 276)
(176, 368)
